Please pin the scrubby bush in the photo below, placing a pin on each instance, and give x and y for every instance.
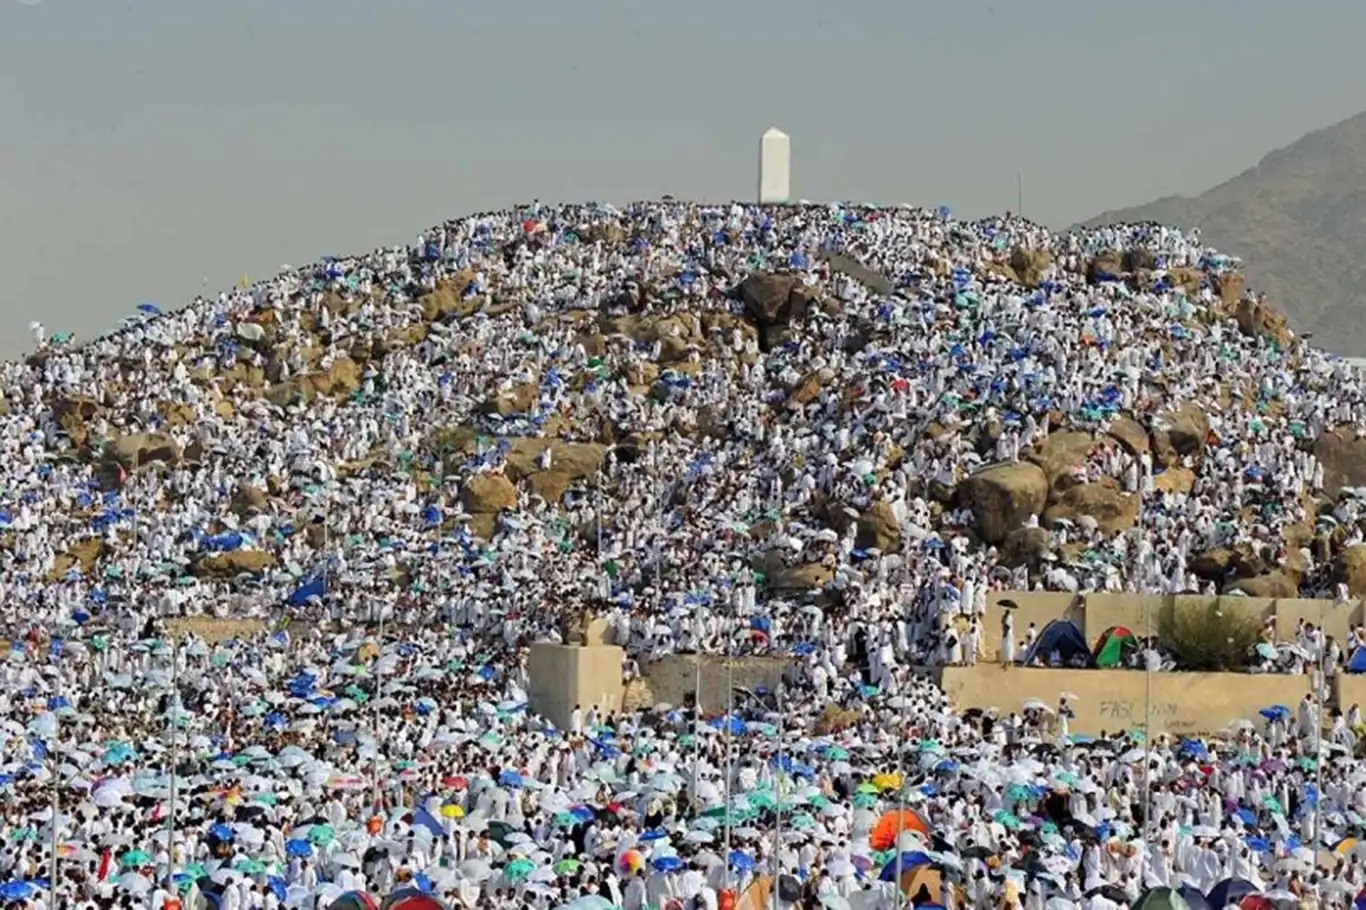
(1206, 636)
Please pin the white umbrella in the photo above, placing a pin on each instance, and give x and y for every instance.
(135, 884)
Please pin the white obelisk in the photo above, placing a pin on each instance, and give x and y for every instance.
(775, 166)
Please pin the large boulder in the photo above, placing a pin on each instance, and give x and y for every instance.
(138, 449)
(1111, 508)
(1229, 288)
(1261, 320)
(1350, 569)
(221, 566)
(520, 399)
(879, 528)
(1029, 265)
(676, 334)
(448, 299)
(177, 413)
(570, 462)
(82, 556)
(1107, 265)
(1003, 497)
(1130, 434)
(801, 578)
(1138, 260)
(807, 390)
(338, 380)
(73, 414)
(489, 493)
(1174, 480)
(773, 302)
(1026, 547)
(1343, 456)
(1270, 584)
(1184, 432)
(1058, 454)
(248, 500)
(1214, 564)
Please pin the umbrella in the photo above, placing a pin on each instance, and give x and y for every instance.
(412, 899)
(888, 828)
(1230, 891)
(353, 900)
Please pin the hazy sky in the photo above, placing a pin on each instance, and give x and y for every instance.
(149, 145)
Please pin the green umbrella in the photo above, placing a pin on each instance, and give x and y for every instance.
(518, 870)
(1009, 820)
(250, 866)
(134, 858)
(321, 835)
(566, 866)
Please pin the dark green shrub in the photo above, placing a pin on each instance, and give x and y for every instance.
(1207, 636)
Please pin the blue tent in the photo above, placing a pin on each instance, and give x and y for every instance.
(1061, 636)
(1358, 662)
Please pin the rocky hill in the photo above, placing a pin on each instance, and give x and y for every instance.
(1297, 220)
(674, 404)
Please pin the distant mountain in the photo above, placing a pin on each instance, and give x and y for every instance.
(1298, 222)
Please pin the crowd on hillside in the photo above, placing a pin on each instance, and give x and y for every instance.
(827, 432)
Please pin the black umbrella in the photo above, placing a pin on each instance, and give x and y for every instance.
(789, 889)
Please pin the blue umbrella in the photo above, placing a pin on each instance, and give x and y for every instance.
(299, 848)
(741, 861)
(667, 863)
(909, 860)
(16, 891)
(510, 779)
(151, 308)
(1230, 891)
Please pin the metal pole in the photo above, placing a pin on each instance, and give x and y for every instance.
(1148, 655)
(175, 753)
(379, 686)
(697, 726)
(778, 804)
(900, 810)
(730, 713)
(53, 859)
(1319, 686)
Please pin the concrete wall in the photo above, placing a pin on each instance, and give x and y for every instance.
(563, 676)
(1110, 700)
(1349, 689)
(674, 678)
(1094, 613)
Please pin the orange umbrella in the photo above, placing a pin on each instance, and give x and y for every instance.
(888, 829)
